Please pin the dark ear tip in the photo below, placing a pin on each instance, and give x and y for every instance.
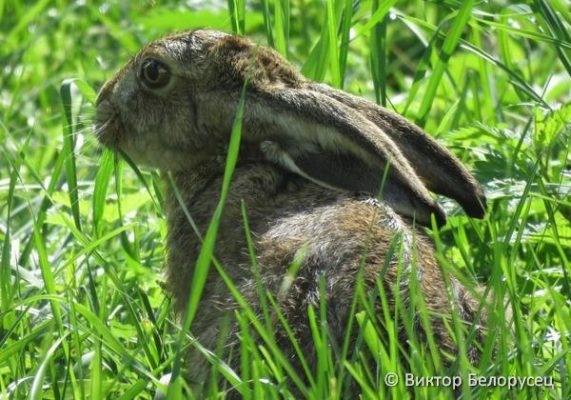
(440, 217)
(477, 206)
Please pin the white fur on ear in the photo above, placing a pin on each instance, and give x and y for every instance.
(333, 145)
(274, 153)
(439, 170)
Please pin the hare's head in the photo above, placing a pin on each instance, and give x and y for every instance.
(147, 109)
(173, 105)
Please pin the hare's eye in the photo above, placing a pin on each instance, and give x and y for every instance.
(154, 74)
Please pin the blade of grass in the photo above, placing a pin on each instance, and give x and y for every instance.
(268, 23)
(237, 10)
(46, 203)
(315, 66)
(549, 19)
(562, 8)
(267, 337)
(488, 96)
(256, 269)
(101, 332)
(280, 27)
(202, 266)
(448, 47)
(24, 22)
(333, 49)
(291, 337)
(13, 349)
(505, 27)
(378, 57)
(104, 174)
(76, 344)
(517, 81)
(247, 353)
(346, 17)
(135, 390)
(48, 277)
(367, 391)
(68, 150)
(96, 367)
(286, 22)
(37, 390)
(5, 270)
(86, 90)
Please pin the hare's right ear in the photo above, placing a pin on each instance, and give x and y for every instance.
(320, 138)
(440, 171)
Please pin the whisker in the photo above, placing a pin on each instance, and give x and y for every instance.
(100, 128)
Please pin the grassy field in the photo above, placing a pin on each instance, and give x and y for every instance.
(82, 311)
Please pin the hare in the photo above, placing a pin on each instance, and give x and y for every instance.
(327, 177)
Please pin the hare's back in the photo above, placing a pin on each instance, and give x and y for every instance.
(336, 245)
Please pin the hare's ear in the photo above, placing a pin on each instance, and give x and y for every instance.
(322, 139)
(344, 171)
(439, 170)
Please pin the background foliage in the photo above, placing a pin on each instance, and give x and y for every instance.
(82, 313)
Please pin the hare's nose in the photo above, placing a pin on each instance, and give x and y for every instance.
(105, 90)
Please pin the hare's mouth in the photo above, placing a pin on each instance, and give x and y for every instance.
(109, 128)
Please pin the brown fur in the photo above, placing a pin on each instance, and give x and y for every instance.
(339, 232)
(292, 204)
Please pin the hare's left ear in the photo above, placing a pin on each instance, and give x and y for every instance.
(322, 139)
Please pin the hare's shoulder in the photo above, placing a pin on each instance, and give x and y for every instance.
(340, 233)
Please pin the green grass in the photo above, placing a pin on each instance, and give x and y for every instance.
(82, 311)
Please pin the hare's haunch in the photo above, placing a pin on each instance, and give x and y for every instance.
(313, 162)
